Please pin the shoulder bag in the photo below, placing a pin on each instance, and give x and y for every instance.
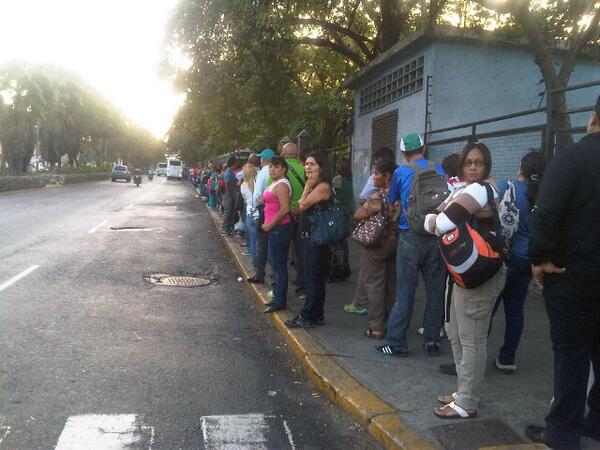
(370, 232)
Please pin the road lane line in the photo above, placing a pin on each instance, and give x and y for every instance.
(247, 431)
(16, 278)
(288, 433)
(129, 206)
(105, 431)
(4, 431)
(93, 230)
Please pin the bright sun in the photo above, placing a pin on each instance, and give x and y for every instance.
(114, 45)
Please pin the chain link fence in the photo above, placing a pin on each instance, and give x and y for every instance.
(507, 148)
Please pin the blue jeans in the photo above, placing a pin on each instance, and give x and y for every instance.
(251, 229)
(278, 244)
(417, 253)
(315, 275)
(518, 277)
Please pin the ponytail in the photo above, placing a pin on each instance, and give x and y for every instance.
(532, 171)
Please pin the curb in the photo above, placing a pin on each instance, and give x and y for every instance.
(377, 416)
(373, 413)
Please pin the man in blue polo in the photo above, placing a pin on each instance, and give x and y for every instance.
(416, 252)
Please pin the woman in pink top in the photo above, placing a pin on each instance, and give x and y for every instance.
(278, 225)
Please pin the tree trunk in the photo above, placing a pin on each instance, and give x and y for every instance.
(391, 23)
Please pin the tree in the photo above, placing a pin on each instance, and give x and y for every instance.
(573, 24)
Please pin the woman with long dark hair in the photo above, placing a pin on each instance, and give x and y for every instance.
(317, 191)
(470, 309)
(518, 274)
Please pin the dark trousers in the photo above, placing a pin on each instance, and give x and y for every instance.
(298, 245)
(229, 217)
(518, 277)
(315, 276)
(279, 245)
(261, 254)
(573, 307)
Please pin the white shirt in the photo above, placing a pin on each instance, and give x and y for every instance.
(260, 184)
(248, 198)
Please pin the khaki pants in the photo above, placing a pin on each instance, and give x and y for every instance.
(359, 298)
(378, 272)
(470, 313)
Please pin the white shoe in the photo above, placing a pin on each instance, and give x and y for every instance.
(507, 369)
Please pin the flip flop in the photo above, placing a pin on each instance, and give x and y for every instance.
(446, 399)
(453, 411)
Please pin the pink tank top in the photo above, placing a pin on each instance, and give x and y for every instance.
(272, 204)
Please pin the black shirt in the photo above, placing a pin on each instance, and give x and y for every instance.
(565, 227)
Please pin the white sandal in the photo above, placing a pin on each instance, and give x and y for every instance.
(461, 413)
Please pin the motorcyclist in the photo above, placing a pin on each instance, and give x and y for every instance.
(137, 172)
(150, 173)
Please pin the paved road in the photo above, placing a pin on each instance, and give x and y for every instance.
(91, 356)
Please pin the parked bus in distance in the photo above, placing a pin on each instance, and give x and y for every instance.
(174, 169)
(161, 169)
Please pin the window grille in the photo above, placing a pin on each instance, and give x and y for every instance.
(401, 83)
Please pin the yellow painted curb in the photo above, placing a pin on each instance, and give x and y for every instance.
(376, 415)
(394, 433)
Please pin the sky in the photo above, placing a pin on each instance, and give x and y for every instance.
(114, 45)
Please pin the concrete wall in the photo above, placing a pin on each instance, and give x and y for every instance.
(411, 118)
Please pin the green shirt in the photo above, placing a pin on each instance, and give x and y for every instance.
(297, 186)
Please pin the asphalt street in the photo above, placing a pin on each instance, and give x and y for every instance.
(94, 356)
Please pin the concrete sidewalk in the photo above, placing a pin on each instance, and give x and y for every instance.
(411, 385)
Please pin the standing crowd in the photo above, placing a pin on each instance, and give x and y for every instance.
(476, 244)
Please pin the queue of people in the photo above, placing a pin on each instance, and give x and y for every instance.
(476, 244)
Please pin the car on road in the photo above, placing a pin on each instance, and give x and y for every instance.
(161, 169)
(120, 172)
(174, 169)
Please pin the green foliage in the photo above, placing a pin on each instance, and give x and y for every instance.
(68, 117)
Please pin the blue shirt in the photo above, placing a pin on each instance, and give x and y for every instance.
(400, 187)
(520, 240)
(368, 190)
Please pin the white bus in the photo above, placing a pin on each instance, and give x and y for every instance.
(174, 169)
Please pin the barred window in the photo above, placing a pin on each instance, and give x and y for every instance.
(403, 82)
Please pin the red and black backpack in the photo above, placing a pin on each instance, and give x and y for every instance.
(472, 253)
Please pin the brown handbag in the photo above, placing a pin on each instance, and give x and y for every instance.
(370, 232)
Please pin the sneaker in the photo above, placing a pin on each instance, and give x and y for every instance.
(270, 293)
(506, 369)
(448, 369)
(432, 348)
(353, 309)
(391, 350)
(246, 253)
(298, 322)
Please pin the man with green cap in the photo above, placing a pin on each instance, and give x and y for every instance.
(417, 251)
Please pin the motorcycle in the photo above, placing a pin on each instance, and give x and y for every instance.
(137, 179)
(150, 175)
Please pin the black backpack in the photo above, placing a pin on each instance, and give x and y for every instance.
(427, 191)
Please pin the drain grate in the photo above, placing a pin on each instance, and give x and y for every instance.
(131, 229)
(163, 279)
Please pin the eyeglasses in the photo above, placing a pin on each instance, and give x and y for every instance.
(476, 162)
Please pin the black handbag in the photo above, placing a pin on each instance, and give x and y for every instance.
(328, 225)
(261, 218)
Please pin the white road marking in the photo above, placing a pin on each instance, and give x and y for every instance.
(93, 230)
(247, 431)
(4, 431)
(16, 278)
(288, 433)
(129, 206)
(105, 432)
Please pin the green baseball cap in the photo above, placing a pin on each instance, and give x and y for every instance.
(411, 142)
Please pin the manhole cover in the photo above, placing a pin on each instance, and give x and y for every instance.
(177, 280)
(474, 434)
